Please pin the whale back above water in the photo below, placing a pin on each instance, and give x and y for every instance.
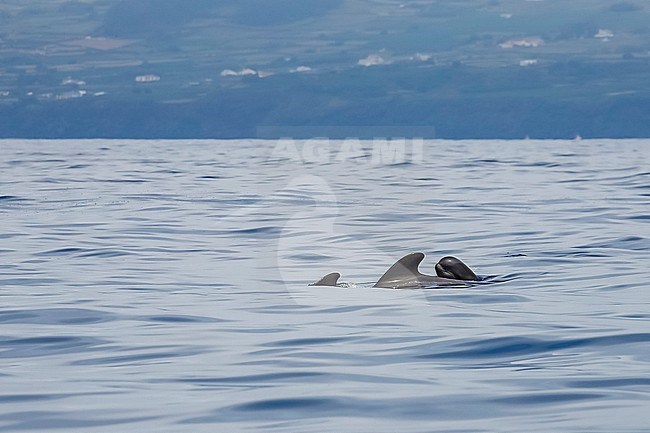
(405, 273)
(328, 280)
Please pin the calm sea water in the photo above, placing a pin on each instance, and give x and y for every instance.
(162, 286)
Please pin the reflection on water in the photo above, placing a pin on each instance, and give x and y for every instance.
(163, 286)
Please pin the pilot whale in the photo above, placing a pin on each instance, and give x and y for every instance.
(405, 273)
(328, 280)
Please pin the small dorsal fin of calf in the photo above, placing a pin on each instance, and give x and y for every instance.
(328, 280)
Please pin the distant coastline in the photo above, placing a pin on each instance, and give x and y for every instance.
(463, 118)
(242, 69)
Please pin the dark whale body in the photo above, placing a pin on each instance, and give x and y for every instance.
(405, 274)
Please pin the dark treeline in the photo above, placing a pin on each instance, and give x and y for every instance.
(451, 118)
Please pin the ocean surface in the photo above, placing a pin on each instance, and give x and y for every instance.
(162, 286)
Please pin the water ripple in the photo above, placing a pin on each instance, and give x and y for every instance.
(47, 346)
(508, 347)
(55, 316)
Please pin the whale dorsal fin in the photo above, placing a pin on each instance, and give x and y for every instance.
(406, 268)
(328, 280)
